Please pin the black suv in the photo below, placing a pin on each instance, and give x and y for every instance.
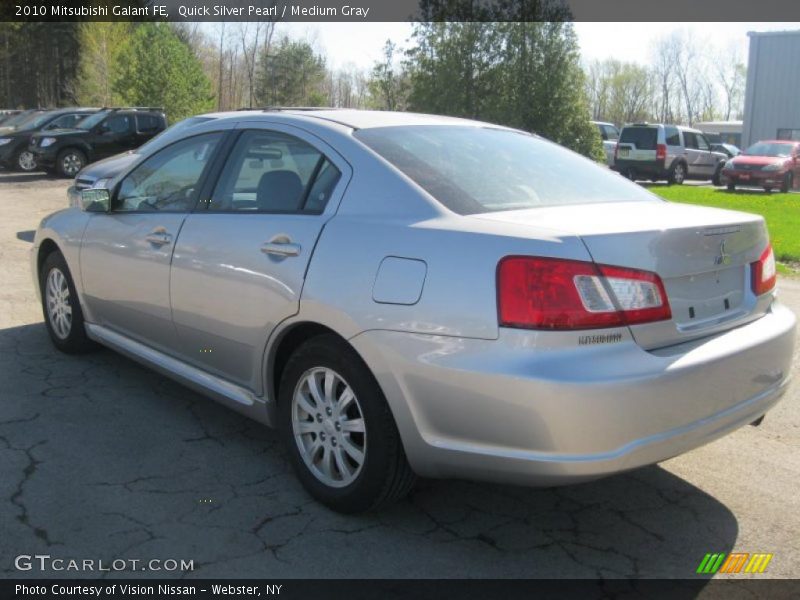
(108, 132)
(14, 151)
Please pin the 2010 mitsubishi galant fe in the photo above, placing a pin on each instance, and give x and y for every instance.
(405, 294)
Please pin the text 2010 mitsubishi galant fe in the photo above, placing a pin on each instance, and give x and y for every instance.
(404, 294)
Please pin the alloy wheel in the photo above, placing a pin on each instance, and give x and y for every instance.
(59, 308)
(26, 161)
(71, 164)
(328, 427)
(679, 174)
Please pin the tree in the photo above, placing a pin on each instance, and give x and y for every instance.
(619, 92)
(387, 86)
(522, 74)
(731, 74)
(156, 68)
(100, 43)
(291, 74)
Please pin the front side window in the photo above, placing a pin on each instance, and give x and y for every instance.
(276, 173)
(483, 169)
(702, 144)
(66, 121)
(690, 139)
(168, 180)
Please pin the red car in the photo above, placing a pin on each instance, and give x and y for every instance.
(769, 164)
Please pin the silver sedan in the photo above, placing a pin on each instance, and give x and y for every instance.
(405, 294)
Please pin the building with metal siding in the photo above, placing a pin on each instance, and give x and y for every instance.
(772, 97)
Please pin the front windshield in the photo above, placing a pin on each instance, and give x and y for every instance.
(17, 120)
(775, 149)
(483, 169)
(90, 122)
(34, 121)
(171, 131)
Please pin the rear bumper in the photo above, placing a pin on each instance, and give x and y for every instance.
(649, 168)
(522, 410)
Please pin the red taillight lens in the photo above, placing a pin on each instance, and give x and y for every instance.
(551, 293)
(661, 152)
(763, 273)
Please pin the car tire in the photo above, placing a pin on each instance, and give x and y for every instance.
(788, 183)
(731, 186)
(716, 179)
(351, 461)
(70, 162)
(25, 161)
(63, 316)
(767, 189)
(677, 174)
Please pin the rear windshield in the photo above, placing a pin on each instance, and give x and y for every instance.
(483, 169)
(644, 138)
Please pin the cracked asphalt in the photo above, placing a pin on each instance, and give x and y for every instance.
(103, 459)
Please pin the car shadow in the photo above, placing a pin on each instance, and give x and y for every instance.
(111, 459)
(15, 177)
(26, 236)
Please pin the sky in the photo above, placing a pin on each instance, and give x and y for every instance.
(360, 44)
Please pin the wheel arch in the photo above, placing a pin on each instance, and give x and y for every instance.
(286, 342)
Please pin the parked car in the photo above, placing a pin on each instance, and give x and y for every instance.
(769, 164)
(14, 121)
(14, 151)
(728, 150)
(610, 135)
(504, 310)
(106, 133)
(99, 173)
(671, 152)
(6, 114)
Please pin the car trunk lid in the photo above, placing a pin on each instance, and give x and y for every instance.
(638, 143)
(702, 255)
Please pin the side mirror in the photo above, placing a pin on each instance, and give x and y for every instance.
(95, 200)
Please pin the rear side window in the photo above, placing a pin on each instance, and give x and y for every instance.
(644, 138)
(147, 124)
(610, 133)
(118, 124)
(673, 136)
(273, 172)
(483, 169)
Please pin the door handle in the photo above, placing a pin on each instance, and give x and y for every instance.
(159, 237)
(282, 246)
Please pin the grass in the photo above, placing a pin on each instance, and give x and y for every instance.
(781, 211)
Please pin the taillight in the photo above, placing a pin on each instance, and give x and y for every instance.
(661, 152)
(763, 273)
(558, 294)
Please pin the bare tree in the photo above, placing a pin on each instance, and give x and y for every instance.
(731, 74)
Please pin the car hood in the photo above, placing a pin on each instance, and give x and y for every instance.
(107, 168)
(757, 160)
(56, 133)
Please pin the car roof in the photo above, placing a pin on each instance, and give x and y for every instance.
(355, 119)
(778, 142)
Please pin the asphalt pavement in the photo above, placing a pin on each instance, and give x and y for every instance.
(102, 459)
